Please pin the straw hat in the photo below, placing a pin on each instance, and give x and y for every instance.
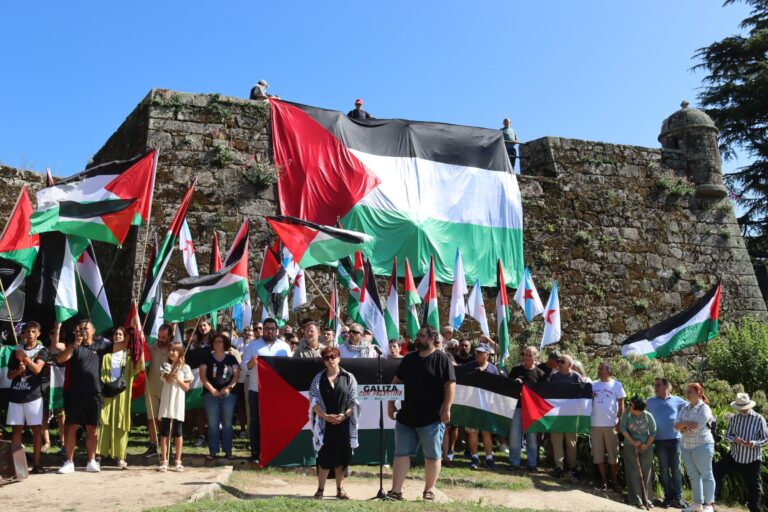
(742, 402)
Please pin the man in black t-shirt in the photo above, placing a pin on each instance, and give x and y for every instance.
(25, 405)
(430, 385)
(82, 388)
(529, 371)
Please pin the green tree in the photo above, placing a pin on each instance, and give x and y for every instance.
(735, 95)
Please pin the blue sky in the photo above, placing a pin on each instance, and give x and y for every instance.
(593, 69)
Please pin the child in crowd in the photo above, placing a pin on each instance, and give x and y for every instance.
(177, 377)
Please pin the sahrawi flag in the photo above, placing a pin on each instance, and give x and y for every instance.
(528, 297)
(196, 296)
(299, 290)
(556, 407)
(392, 312)
(100, 203)
(313, 244)
(552, 329)
(502, 316)
(16, 244)
(458, 308)
(91, 295)
(697, 324)
(157, 268)
(477, 308)
(430, 314)
(187, 249)
(273, 286)
(370, 310)
(418, 188)
(412, 299)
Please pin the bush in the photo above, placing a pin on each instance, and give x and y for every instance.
(740, 355)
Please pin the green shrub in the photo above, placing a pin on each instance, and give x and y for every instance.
(740, 355)
(674, 185)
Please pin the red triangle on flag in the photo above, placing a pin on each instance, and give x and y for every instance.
(283, 412)
(714, 311)
(533, 407)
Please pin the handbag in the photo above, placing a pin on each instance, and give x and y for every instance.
(117, 386)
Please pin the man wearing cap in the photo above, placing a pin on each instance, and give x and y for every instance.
(748, 434)
(480, 364)
(550, 365)
(259, 91)
(358, 113)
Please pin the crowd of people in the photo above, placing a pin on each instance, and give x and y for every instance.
(99, 374)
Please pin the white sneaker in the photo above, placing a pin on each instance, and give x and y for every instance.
(93, 467)
(707, 508)
(693, 507)
(67, 468)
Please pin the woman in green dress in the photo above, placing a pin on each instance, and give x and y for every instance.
(115, 421)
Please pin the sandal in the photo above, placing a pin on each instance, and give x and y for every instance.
(428, 496)
(210, 456)
(163, 467)
(393, 496)
(341, 494)
(179, 467)
(121, 464)
(319, 494)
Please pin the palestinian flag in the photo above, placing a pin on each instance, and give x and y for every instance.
(370, 310)
(555, 407)
(430, 314)
(272, 288)
(502, 316)
(154, 318)
(56, 391)
(100, 203)
(411, 300)
(286, 435)
(12, 277)
(91, 296)
(16, 244)
(420, 189)
(156, 269)
(6, 352)
(350, 274)
(483, 401)
(214, 266)
(197, 296)
(58, 286)
(697, 324)
(313, 244)
(392, 313)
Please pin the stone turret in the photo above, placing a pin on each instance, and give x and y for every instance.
(693, 133)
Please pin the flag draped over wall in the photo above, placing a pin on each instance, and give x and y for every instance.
(420, 189)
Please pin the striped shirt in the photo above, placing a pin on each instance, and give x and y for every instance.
(701, 415)
(750, 427)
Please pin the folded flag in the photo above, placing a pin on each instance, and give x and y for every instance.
(16, 244)
(420, 189)
(430, 313)
(412, 299)
(100, 203)
(392, 311)
(273, 286)
(459, 289)
(58, 284)
(477, 308)
(556, 407)
(154, 318)
(187, 249)
(91, 296)
(197, 296)
(552, 329)
(502, 316)
(370, 310)
(314, 244)
(484, 402)
(528, 297)
(156, 270)
(334, 312)
(697, 324)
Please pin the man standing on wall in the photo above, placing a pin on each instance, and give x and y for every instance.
(358, 113)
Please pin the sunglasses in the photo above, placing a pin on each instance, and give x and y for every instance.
(329, 358)
(355, 332)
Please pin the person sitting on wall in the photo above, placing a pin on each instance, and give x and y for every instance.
(358, 113)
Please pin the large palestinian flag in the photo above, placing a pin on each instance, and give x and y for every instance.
(484, 401)
(100, 203)
(199, 295)
(697, 324)
(16, 244)
(555, 407)
(420, 189)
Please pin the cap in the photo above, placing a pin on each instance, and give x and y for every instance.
(483, 347)
(359, 100)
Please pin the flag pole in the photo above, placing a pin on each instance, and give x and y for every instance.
(8, 308)
(306, 274)
(82, 290)
(109, 271)
(149, 218)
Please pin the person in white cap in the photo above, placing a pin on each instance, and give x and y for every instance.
(748, 434)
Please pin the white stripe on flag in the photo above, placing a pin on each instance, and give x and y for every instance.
(570, 406)
(485, 400)
(647, 346)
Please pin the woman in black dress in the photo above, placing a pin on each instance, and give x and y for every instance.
(333, 398)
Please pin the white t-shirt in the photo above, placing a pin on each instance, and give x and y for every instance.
(260, 348)
(605, 409)
(172, 398)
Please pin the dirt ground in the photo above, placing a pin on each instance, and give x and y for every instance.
(134, 489)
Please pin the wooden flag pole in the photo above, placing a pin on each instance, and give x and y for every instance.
(8, 308)
(306, 274)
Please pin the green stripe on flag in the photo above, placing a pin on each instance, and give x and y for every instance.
(24, 257)
(688, 337)
(577, 424)
(197, 303)
(480, 419)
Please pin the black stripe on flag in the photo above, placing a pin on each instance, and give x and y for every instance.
(212, 279)
(300, 372)
(77, 210)
(673, 322)
(482, 148)
(561, 390)
(53, 249)
(498, 384)
(113, 168)
(343, 235)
